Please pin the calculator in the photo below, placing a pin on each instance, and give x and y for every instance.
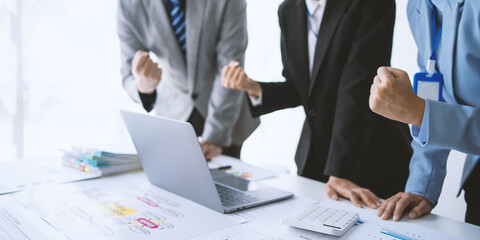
(324, 220)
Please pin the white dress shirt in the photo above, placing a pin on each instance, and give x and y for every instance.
(315, 8)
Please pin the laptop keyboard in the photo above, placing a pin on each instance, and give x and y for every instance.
(232, 197)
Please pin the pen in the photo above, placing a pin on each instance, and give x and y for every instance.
(226, 167)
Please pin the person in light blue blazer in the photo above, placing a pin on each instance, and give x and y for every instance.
(437, 126)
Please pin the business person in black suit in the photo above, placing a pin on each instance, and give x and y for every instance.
(331, 50)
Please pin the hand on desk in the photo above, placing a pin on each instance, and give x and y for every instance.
(210, 150)
(234, 77)
(344, 188)
(392, 96)
(399, 202)
(147, 73)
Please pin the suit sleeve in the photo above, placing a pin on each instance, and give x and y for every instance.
(353, 120)
(278, 95)
(224, 105)
(129, 45)
(459, 131)
(427, 171)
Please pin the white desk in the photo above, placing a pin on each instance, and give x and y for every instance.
(313, 189)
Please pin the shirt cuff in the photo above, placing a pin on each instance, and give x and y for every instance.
(148, 100)
(425, 196)
(256, 101)
(420, 133)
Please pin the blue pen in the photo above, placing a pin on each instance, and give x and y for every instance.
(226, 167)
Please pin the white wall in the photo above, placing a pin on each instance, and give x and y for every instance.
(73, 88)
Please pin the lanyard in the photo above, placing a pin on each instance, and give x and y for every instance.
(310, 25)
(435, 40)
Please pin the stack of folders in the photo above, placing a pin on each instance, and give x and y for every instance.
(107, 163)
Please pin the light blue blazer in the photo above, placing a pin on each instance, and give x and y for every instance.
(453, 123)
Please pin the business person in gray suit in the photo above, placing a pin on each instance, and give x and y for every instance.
(192, 41)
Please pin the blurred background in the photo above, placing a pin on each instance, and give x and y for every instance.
(60, 84)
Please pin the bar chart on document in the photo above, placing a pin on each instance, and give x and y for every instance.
(393, 234)
(382, 230)
(372, 227)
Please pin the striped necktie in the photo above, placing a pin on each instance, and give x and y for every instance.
(177, 16)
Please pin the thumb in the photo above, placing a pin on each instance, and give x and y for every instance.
(234, 64)
(141, 53)
(420, 210)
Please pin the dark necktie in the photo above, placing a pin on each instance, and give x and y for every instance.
(177, 16)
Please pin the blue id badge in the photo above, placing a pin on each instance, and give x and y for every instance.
(428, 87)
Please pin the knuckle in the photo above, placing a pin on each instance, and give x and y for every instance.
(364, 190)
(375, 103)
(388, 83)
(381, 90)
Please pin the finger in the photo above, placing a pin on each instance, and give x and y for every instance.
(400, 207)
(159, 73)
(216, 152)
(355, 199)
(397, 73)
(370, 199)
(141, 62)
(421, 209)
(149, 67)
(140, 57)
(384, 74)
(387, 213)
(208, 155)
(372, 89)
(331, 193)
(234, 73)
(137, 56)
(203, 145)
(224, 79)
(237, 75)
(382, 208)
(229, 74)
(234, 64)
(206, 152)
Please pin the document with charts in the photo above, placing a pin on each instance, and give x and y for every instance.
(18, 223)
(121, 207)
(369, 227)
(372, 227)
(269, 228)
(272, 209)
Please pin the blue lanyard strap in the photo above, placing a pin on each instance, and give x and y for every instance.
(435, 39)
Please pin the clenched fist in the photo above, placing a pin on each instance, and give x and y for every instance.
(147, 73)
(234, 77)
(392, 96)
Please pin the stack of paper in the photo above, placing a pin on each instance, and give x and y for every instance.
(91, 160)
(22, 174)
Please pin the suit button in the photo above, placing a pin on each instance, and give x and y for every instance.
(312, 112)
(194, 96)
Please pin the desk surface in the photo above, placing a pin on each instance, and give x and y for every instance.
(313, 189)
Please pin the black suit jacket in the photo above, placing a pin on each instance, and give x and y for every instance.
(341, 136)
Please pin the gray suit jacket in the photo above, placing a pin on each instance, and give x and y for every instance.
(216, 33)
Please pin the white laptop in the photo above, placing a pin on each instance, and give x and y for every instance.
(172, 159)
